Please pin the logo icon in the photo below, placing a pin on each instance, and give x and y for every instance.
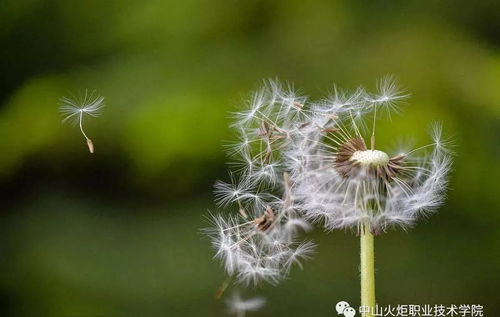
(343, 308)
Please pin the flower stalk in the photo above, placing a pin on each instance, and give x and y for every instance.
(367, 270)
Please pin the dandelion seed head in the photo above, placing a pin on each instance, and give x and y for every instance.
(343, 182)
(260, 243)
(298, 162)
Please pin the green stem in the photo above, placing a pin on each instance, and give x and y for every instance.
(367, 269)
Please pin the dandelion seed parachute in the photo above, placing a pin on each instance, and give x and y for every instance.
(75, 109)
(238, 306)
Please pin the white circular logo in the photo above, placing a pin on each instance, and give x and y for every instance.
(343, 308)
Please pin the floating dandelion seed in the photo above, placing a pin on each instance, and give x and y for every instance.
(238, 306)
(76, 108)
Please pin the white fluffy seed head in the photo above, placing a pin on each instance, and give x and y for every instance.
(259, 242)
(300, 162)
(392, 190)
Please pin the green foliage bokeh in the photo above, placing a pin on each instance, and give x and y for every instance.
(116, 233)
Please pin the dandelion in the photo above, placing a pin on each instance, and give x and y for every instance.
(300, 163)
(239, 306)
(76, 108)
(344, 181)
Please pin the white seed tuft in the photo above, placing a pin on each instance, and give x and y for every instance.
(75, 109)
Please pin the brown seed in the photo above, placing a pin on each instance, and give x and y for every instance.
(90, 145)
(263, 223)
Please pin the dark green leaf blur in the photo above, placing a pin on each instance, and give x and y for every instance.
(116, 233)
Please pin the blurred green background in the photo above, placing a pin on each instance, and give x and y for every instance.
(116, 233)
